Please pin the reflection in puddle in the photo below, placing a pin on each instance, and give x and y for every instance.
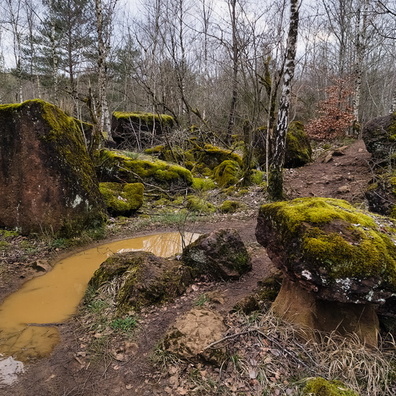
(27, 317)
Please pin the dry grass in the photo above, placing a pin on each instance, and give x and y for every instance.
(267, 356)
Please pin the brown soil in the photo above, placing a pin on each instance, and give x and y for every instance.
(69, 371)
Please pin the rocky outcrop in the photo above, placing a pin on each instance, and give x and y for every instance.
(379, 136)
(381, 194)
(137, 130)
(113, 166)
(122, 199)
(141, 279)
(337, 260)
(48, 182)
(220, 255)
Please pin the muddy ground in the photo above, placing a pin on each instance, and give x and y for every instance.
(70, 370)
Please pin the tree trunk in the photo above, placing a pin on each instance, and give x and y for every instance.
(275, 178)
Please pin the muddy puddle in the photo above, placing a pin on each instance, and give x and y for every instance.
(28, 318)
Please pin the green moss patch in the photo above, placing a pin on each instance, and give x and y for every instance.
(199, 205)
(227, 174)
(230, 206)
(321, 387)
(122, 199)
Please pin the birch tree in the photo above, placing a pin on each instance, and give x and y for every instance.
(275, 178)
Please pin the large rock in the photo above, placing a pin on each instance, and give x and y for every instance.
(113, 166)
(48, 183)
(379, 135)
(330, 251)
(220, 255)
(381, 194)
(137, 130)
(141, 279)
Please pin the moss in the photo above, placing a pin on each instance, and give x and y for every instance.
(298, 148)
(122, 199)
(332, 237)
(113, 166)
(203, 184)
(229, 206)
(196, 204)
(320, 387)
(256, 177)
(228, 173)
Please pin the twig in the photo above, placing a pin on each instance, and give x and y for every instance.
(270, 339)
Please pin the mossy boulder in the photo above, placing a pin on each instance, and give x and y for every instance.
(122, 199)
(47, 177)
(139, 130)
(379, 136)
(227, 174)
(220, 255)
(330, 251)
(321, 387)
(113, 166)
(141, 279)
(298, 146)
(381, 194)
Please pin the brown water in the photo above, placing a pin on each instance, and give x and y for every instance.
(54, 297)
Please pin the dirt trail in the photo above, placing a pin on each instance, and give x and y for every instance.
(67, 372)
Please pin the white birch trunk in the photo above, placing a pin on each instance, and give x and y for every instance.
(275, 179)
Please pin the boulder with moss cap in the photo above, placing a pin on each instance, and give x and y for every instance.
(337, 262)
(48, 181)
(139, 130)
(114, 166)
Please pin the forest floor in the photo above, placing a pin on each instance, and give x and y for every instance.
(136, 368)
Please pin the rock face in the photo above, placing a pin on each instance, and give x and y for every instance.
(141, 279)
(329, 251)
(221, 255)
(48, 183)
(379, 135)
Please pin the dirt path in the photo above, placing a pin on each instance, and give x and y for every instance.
(68, 372)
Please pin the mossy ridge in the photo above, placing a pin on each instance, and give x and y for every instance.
(321, 387)
(361, 246)
(114, 165)
(122, 199)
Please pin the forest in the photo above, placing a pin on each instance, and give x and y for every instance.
(212, 65)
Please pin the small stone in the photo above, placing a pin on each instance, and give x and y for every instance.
(343, 189)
